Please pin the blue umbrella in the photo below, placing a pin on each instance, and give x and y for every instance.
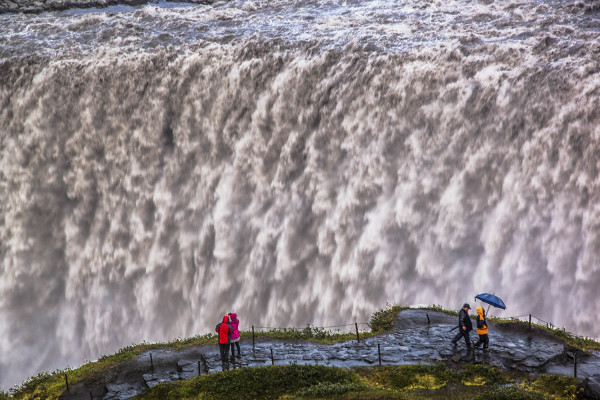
(492, 300)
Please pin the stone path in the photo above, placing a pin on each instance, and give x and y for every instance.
(413, 340)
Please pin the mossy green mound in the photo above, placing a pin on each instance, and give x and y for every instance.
(295, 382)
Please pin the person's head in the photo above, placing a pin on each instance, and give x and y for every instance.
(226, 318)
(233, 315)
(480, 312)
(466, 307)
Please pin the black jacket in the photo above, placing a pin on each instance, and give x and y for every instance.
(464, 320)
(481, 322)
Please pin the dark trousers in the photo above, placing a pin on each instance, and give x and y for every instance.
(224, 348)
(483, 339)
(464, 334)
(233, 346)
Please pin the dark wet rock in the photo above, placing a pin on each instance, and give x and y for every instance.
(120, 391)
(152, 380)
(591, 387)
(187, 369)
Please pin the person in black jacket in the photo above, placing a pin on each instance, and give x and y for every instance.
(464, 326)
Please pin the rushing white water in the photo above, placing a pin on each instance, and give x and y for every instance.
(295, 162)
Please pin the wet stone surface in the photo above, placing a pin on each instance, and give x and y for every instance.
(413, 340)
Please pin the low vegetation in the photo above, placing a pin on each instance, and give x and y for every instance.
(314, 382)
(295, 382)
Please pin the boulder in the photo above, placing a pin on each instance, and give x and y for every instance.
(591, 387)
(120, 391)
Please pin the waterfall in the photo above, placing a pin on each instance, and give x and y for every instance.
(151, 184)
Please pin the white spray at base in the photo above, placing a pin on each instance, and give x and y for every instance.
(145, 193)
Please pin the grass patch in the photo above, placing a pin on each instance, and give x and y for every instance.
(310, 334)
(409, 382)
(579, 342)
(513, 392)
(555, 387)
(407, 377)
(256, 383)
(479, 375)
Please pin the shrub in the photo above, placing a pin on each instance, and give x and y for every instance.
(383, 320)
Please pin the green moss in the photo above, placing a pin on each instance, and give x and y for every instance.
(408, 376)
(478, 374)
(321, 390)
(253, 383)
(555, 387)
(512, 392)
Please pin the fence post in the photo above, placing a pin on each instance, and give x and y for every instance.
(575, 365)
(379, 353)
(357, 337)
(199, 370)
(204, 362)
(67, 382)
(529, 321)
(91, 396)
(252, 337)
(272, 358)
(151, 362)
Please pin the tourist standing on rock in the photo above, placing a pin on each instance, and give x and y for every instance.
(464, 326)
(224, 329)
(482, 329)
(235, 336)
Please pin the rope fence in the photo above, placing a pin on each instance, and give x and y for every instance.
(293, 328)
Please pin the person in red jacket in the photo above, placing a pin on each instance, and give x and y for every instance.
(224, 329)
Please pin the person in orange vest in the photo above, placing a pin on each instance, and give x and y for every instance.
(224, 329)
(482, 329)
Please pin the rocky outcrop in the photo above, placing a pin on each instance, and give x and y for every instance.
(591, 387)
(415, 339)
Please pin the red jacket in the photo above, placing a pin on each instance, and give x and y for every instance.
(225, 330)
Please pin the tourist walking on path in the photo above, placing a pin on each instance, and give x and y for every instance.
(235, 336)
(224, 329)
(464, 326)
(482, 329)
